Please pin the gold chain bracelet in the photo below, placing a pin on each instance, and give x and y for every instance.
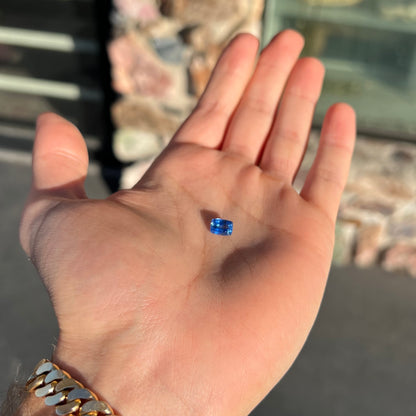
(59, 389)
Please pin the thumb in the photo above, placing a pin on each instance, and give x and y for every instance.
(59, 169)
(60, 158)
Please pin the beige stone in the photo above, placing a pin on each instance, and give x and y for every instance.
(145, 114)
(368, 244)
(203, 11)
(345, 237)
(208, 39)
(130, 145)
(401, 257)
(402, 228)
(381, 186)
(162, 27)
(132, 174)
(200, 71)
(373, 204)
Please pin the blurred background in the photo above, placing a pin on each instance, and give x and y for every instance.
(127, 73)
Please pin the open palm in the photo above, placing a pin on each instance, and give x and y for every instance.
(157, 314)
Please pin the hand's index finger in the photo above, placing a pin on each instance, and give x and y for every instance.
(207, 123)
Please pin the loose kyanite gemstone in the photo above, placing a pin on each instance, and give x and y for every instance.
(221, 227)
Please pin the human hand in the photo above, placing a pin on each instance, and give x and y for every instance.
(156, 314)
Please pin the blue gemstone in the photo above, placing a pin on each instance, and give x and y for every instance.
(221, 227)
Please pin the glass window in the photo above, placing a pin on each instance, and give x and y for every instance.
(369, 50)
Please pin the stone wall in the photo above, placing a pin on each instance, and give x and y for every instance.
(378, 211)
(377, 217)
(162, 55)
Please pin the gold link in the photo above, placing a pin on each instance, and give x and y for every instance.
(68, 383)
(56, 375)
(95, 406)
(84, 394)
(34, 375)
(68, 408)
(31, 378)
(37, 382)
(84, 413)
(46, 390)
(45, 368)
(55, 399)
(65, 393)
(96, 414)
(41, 362)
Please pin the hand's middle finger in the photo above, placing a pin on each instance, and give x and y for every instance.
(254, 115)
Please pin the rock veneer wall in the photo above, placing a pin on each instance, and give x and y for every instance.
(380, 203)
(162, 55)
(377, 218)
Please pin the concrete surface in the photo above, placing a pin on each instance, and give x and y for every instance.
(360, 358)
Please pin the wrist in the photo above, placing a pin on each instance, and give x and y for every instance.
(95, 368)
(131, 381)
(59, 390)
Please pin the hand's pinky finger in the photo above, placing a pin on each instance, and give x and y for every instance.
(328, 175)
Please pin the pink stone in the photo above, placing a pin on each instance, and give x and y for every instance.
(136, 68)
(401, 257)
(143, 11)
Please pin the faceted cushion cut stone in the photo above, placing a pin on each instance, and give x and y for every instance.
(221, 227)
